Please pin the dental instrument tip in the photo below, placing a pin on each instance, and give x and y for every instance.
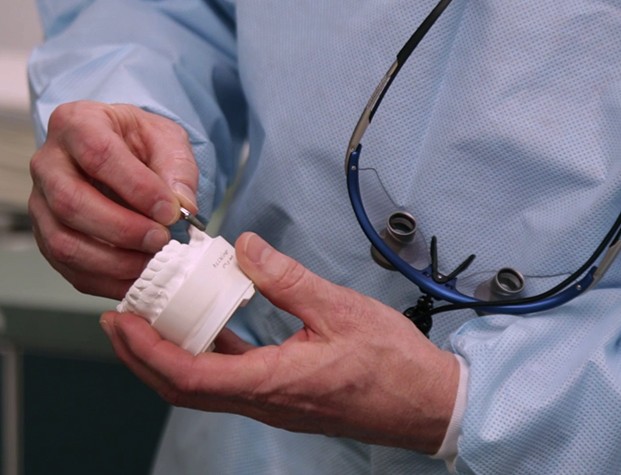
(193, 220)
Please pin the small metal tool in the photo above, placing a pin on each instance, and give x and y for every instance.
(193, 220)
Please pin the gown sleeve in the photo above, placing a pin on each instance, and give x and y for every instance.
(544, 391)
(176, 59)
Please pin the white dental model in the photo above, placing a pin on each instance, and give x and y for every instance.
(189, 291)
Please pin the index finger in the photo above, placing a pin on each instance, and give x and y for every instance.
(169, 154)
(175, 373)
(102, 154)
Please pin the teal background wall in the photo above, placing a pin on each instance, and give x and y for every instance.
(87, 417)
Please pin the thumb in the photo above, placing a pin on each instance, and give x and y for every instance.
(288, 284)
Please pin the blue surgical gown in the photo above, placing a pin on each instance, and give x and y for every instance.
(501, 135)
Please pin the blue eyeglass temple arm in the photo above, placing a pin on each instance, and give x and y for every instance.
(447, 291)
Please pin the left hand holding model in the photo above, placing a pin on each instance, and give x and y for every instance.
(357, 369)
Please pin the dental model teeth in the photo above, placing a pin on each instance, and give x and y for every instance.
(189, 291)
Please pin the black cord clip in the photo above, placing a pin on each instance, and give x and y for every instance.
(420, 314)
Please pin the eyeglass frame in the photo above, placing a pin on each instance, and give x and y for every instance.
(441, 287)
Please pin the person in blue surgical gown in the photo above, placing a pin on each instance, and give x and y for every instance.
(501, 135)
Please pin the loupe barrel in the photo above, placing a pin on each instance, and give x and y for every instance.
(399, 232)
(506, 284)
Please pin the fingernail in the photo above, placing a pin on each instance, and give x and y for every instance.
(165, 212)
(257, 250)
(155, 239)
(105, 326)
(184, 192)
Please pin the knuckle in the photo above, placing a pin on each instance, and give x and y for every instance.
(348, 301)
(44, 162)
(180, 132)
(343, 307)
(293, 276)
(171, 395)
(63, 198)
(125, 233)
(96, 285)
(172, 132)
(70, 114)
(95, 155)
(32, 207)
(61, 117)
(177, 391)
(69, 124)
(34, 204)
(84, 287)
(62, 248)
(130, 269)
(173, 129)
(36, 166)
(182, 157)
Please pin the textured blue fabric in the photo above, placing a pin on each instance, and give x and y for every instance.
(501, 136)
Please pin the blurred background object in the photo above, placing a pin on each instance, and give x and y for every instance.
(67, 406)
(19, 32)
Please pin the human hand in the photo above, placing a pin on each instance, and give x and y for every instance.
(357, 369)
(106, 183)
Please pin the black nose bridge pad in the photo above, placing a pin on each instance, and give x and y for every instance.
(436, 275)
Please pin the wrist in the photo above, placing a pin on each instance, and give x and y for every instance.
(442, 391)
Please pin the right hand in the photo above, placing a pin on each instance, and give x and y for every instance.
(106, 183)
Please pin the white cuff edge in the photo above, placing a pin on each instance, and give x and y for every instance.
(448, 449)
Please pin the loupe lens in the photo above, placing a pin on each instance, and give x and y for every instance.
(399, 232)
(401, 227)
(508, 282)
